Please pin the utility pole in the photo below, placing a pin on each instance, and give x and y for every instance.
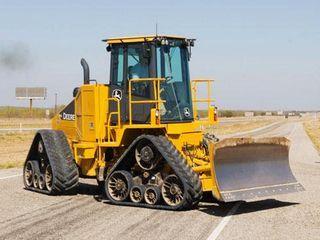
(30, 106)
(55, 103)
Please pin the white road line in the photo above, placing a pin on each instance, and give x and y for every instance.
(216, 232)
(12, 176)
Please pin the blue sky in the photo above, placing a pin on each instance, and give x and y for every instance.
(263, 54)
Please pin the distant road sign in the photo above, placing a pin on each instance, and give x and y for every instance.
(31, 93)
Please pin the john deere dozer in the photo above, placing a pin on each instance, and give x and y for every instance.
(141, 136)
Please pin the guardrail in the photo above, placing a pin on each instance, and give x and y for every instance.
(114, 113)
(156, 92)
(195, 100)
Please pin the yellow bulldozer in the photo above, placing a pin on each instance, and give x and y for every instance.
(145, 139)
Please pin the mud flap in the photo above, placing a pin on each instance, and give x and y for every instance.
(248, 168)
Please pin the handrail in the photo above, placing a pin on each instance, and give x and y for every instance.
(207, 100)
(115, 113)
(156, 92)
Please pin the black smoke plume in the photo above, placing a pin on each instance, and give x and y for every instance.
(15, 57)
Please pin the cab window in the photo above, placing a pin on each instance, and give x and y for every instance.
(117, 66)
(138, 67)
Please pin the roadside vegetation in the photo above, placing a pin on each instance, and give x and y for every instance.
(24, 123)
(24, 112)
(233, 113)
(312, 128)
(14, 148)
(224, 128)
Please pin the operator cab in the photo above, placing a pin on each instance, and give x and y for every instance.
(152, 57)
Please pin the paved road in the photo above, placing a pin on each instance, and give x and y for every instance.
(292, 216)
(27, 215)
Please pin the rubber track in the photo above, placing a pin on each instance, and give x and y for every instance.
(65, 172)
(190, 179)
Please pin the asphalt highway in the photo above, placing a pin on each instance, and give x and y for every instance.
(28, 215)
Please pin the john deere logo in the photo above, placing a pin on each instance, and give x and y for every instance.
(67, 116)
(186, 112)
(117, 93)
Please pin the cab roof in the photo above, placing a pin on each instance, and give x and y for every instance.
(133, 39)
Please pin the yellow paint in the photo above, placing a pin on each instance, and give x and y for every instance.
(91, 134)
(136, 39)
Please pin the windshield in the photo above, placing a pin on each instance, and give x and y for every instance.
(172, 64)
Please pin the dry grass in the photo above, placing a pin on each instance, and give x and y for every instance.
(312, 128)
(14, 148)
(24, 112)
(230, 128)
(13, 164)
(25, 122)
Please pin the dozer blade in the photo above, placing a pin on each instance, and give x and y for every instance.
(248, 168)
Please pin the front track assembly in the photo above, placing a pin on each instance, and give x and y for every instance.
(152, 173)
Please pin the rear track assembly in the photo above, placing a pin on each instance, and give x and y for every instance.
(50, 168)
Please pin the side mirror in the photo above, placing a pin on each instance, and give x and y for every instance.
(189, 43)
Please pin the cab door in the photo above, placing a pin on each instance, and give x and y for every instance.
(131, 62)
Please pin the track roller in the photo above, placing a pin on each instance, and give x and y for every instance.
(36, 174)
(152, 195)
(28, 173)
(137, 193)
(146, 155)
(42, 183)
(48, 177)
(118, 185)
(36, 180)
(172, 190)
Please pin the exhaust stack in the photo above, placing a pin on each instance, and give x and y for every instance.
(86, 71)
